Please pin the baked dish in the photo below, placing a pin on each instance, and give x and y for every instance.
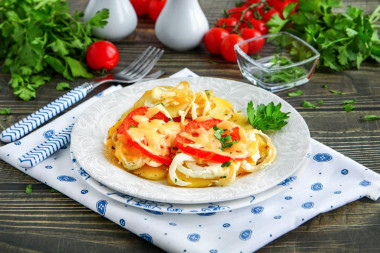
(190, 139)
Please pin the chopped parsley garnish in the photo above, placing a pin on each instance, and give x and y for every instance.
(295, 93)
(348, 105)
(371, 117)
(5, 111)
(226, 164)
(336, 92)
(285, 75)
(225, 139)
(306, 103)
(267, 117)
(28, 189)
(62, 86)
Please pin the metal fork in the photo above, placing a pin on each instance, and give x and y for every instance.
(136, 71)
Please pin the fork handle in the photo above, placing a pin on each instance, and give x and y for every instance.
(44, 150)
(47, 112)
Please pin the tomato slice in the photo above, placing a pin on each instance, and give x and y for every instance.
(215, 153)
(142, 145)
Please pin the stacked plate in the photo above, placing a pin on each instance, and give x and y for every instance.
(91, 128)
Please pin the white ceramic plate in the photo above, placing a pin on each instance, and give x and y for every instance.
(202, 208)
(90, 131)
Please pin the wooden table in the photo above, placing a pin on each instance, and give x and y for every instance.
(51, 222)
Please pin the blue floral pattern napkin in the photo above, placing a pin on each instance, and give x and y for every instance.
(329, 181)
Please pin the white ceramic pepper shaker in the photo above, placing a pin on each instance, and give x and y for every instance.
(122, 19)
(181, 24)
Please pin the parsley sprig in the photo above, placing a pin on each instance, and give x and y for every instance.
(225, 139)
(40, 39)
(344, 40)
(267, 117)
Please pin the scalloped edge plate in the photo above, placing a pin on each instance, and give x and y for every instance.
(91, 127)
(203, 208)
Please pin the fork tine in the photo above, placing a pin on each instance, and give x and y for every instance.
(137, 60)
(141, 63)
(148, 64)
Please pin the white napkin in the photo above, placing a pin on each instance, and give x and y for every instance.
(329, 181)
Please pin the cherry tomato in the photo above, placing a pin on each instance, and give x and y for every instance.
(268, 15)
(227, 47)
(256, 24)
(227, 23)
(237, 12)
(102, 55)
(189, 147)
(129, 122)
(140, 6)
(155, 7)
(255, 46)
(213, 39)
(281, 5)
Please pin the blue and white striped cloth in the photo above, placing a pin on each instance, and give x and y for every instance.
(329, 181)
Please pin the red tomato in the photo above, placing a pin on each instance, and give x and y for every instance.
(211, 155)
(227, 47)
(257, 24)
(140, 6)
(268, 15)
(255, 46)
(155, 7)
(129, 122)
(227, 23)
(213, 39)
(237, 12)
(102, 55)
(281, 5)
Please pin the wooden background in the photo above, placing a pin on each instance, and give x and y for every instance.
(52, 222)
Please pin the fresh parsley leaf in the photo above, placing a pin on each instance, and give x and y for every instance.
(295, 93)
(306, 103)
(371, 117)
(5, 111)
(40, 39)
(348, 107)
(225, 139)
(28, 189)
(62, 86)
(344, 39)
(267, 117)
(336, 92)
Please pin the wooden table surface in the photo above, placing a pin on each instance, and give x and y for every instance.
(51, 222)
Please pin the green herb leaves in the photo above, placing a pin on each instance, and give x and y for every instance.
(225, 139)
(28, 189)
(344, 40)
(266, 117)
(41, 38)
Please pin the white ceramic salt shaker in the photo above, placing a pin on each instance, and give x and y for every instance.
(181, 24)
(122, 19)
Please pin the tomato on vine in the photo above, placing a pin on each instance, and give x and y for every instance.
(227, 23)
(256, 45)
(213, 39)
(256, 24)
(227, 46)
(155, 7)
(238, 12)
(140, 6)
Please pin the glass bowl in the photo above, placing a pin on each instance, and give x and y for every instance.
(283, 62)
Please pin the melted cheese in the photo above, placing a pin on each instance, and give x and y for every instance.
(156, 136)
(205, 140)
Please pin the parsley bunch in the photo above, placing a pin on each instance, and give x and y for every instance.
(266, 117)
(40, 38)
(344, 40)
